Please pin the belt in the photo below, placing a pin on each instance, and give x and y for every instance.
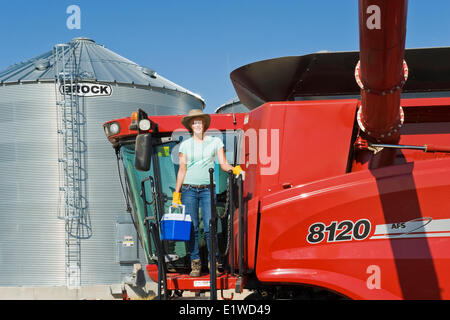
(201, 186)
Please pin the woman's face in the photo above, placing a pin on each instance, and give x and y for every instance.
(197, 125)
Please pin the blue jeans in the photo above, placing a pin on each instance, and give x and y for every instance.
(192, 199)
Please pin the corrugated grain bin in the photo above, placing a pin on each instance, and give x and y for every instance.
(232, 106)
(34, 244)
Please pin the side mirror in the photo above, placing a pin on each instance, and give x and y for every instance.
(143, 152)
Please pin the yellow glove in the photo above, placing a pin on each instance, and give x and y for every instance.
(176, 201)
(238, 170)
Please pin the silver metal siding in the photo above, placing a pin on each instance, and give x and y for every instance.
(32, 244)
(232, 106)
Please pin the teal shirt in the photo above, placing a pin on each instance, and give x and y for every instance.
(200, 157)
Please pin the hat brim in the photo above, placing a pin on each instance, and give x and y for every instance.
(187, 119)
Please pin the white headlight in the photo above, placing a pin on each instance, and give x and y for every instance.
(114, 128)
(144, 125)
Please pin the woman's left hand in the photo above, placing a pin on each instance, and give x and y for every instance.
(238, 171)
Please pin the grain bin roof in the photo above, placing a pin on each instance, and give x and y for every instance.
(95, 63)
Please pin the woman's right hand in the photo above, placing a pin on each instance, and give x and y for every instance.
(176, 201)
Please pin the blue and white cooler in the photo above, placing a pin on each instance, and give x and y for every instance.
(176, 226)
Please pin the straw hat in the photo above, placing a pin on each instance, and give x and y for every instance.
(196, 113)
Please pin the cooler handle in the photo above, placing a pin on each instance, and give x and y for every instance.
(182, 210)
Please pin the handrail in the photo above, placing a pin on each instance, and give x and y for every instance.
(241, 225)
(147, 218)
(212, 240)
(162, 272)
(152, 224)
(231, 208)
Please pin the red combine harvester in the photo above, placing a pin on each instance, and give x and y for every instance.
(347, 174)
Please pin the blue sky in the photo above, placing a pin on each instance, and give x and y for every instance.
(197, 43)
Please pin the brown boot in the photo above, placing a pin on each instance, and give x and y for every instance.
(196, 267)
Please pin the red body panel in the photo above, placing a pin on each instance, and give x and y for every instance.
(302, 134)
(284, 142)
(411, 266)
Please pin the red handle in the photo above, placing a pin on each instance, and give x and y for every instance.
(433, 148)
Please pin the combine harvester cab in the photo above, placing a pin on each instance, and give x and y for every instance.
(147, 153)
(347, 173)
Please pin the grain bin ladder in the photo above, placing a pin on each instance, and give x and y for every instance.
(72, 202)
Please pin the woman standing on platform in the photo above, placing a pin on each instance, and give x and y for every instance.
(196, 157)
